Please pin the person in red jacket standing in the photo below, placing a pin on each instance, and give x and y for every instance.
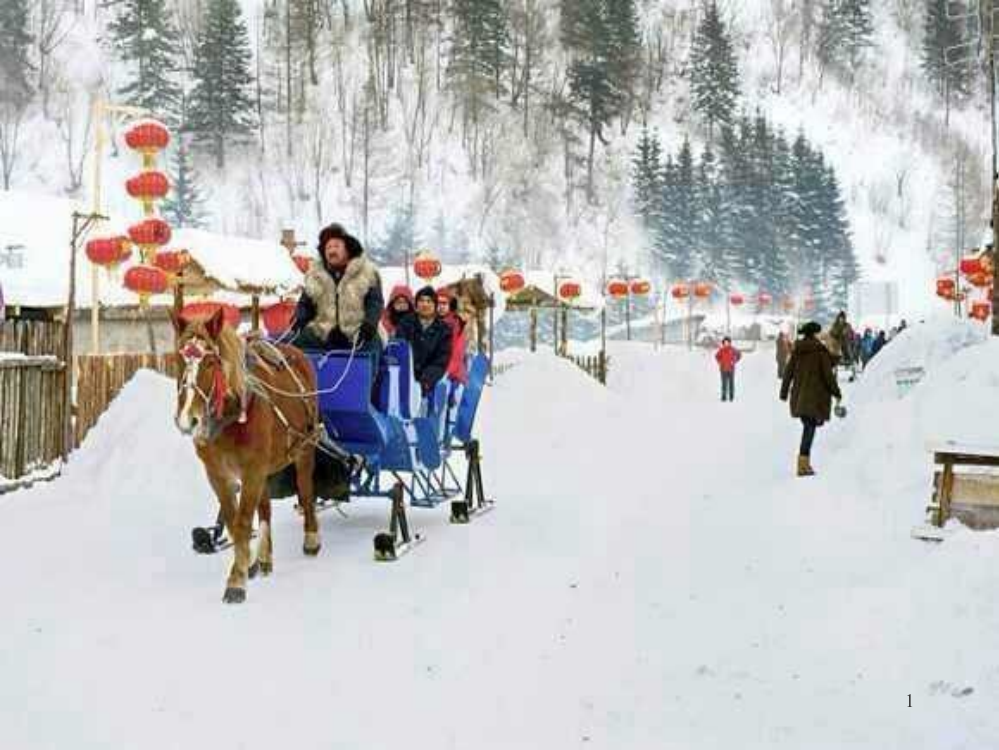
(727, 357)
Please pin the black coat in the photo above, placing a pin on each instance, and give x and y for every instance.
(431, 348)
(810, 381)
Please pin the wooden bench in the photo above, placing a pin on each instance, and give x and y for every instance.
(965, 486)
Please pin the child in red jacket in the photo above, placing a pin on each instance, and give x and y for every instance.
(727, 357)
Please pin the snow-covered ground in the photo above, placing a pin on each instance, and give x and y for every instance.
(653, 578)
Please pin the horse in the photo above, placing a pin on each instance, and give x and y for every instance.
(250, 407)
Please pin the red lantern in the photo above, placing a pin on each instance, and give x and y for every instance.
(570, 290)
(150, 232)
(172, 261)
(971, 266)
(147, 137)
(736, 299)
(640, 287)
(680, 291)
(946, 287)
(702, 290)
(617, 288)
(145, 281)
(303, 262)
(203, 310)
(512, 282)
(979, 279)
(278, 318)
(426, 266)
(108, 251)
(980, 311)
(148, 186)
(764, 299)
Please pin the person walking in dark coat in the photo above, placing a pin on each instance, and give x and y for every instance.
(430, 339)
(810, 383)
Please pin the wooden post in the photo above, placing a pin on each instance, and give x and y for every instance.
(565, 330)
(255, 313)
(288, 240)
(534, 329)
(603, 345)
(492, 339)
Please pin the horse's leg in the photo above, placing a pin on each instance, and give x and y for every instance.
(304, 466)
(249, 497)
(265, 549)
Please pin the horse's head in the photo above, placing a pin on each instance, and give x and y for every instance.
(202, 388)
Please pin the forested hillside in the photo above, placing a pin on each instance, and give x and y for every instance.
(792, 145)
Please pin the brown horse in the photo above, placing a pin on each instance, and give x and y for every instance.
(251, 409)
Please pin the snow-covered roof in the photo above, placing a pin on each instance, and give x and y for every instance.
(591, 296)
(34, 256)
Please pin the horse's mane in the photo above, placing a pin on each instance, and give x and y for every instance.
(233, 354)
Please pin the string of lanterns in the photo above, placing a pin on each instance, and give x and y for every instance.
(977, 271)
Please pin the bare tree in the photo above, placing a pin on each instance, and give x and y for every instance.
(74, 119)
(12, 113)
(780, 23)
(52, 25)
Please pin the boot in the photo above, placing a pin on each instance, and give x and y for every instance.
(805, 467)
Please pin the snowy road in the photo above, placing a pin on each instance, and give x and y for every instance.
(654, 578)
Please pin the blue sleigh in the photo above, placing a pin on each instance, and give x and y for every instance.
(407, 444)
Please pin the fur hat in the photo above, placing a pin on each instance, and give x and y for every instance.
(336, 231)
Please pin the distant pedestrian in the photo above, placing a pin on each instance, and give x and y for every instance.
(879, 344)
(727, 357)
(810, 384)
(784, 347)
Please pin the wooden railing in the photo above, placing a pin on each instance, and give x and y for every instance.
(101, 377)
(32, 416)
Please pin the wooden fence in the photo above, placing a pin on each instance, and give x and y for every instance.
(32, 398)
(594, 365)
(101, 377)
(32, 417)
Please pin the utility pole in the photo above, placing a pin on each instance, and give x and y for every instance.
(988, 28)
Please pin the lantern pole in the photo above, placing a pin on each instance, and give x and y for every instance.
(101, 109)
(82, 223)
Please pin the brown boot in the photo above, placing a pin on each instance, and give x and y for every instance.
(805, 467)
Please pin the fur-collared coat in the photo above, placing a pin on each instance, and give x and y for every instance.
(330, 305)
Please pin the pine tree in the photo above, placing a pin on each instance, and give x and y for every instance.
(184, 206)
(666, 242)
(646, 177)
(712, 219)
(714, 77)
(845, 32)
(480, 49)
(946, 59)
(222, 106)
(14, 43)
(596, 94)
(625, 49)
(687, 251)
(146, 39)
(401, 239)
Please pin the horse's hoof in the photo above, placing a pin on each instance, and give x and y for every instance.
(252, 571)
(234, 595)
(311, 551)
(266, 568)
